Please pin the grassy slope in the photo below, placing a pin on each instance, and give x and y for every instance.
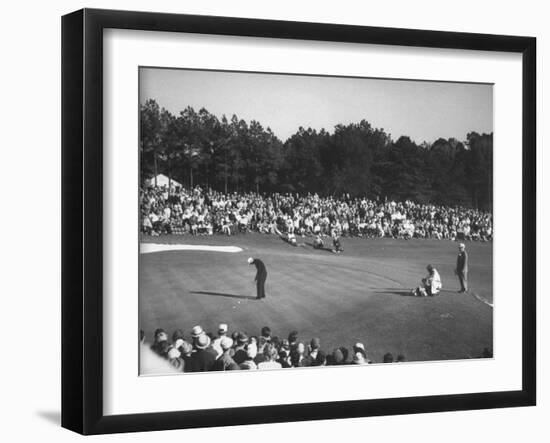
(360, 295)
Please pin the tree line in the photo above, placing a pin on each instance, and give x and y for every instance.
(198, 148)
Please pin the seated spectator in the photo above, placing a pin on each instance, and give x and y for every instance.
(207, 212)
(146, 225)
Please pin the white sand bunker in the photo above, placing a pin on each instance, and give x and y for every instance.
(147, 248)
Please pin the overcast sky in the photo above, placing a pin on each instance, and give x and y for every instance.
(422, 110)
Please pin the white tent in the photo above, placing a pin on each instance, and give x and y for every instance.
(163, 180)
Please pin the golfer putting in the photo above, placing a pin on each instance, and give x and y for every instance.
(261, 276)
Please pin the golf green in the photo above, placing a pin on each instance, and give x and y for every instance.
(361, 295)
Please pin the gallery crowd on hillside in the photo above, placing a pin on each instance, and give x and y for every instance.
(207, 212)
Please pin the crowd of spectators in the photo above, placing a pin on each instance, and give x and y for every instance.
(237, 351)
(208, 212)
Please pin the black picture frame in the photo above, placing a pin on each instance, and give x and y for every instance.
(82, 218)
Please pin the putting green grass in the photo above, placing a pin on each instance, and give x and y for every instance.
(359, 295)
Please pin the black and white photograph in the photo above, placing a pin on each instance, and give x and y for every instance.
(298, 221)
(275, 221)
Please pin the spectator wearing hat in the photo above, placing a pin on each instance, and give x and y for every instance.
(270, 358)
(360, 347)
(359, 359)
(178, 340)
(216, 343)
(261, 276)
(240, 349)
(225, 362)
(201, 360)
(196, 332)
(462, 267)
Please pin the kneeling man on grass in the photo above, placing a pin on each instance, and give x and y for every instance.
(431, 285)
(318, 242)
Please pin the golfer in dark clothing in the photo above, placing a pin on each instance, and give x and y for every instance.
(462, 267)
(261, 276)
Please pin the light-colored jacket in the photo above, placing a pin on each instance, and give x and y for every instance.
(435, 282)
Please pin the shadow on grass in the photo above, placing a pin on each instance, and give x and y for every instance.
(400, 291)
(407, 293)
(224, 294)
(319, 249)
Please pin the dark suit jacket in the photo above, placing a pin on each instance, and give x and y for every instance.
(462, 262)
(261, 271)
(200, 361)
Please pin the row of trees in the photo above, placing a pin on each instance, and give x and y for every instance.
(233, 155)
